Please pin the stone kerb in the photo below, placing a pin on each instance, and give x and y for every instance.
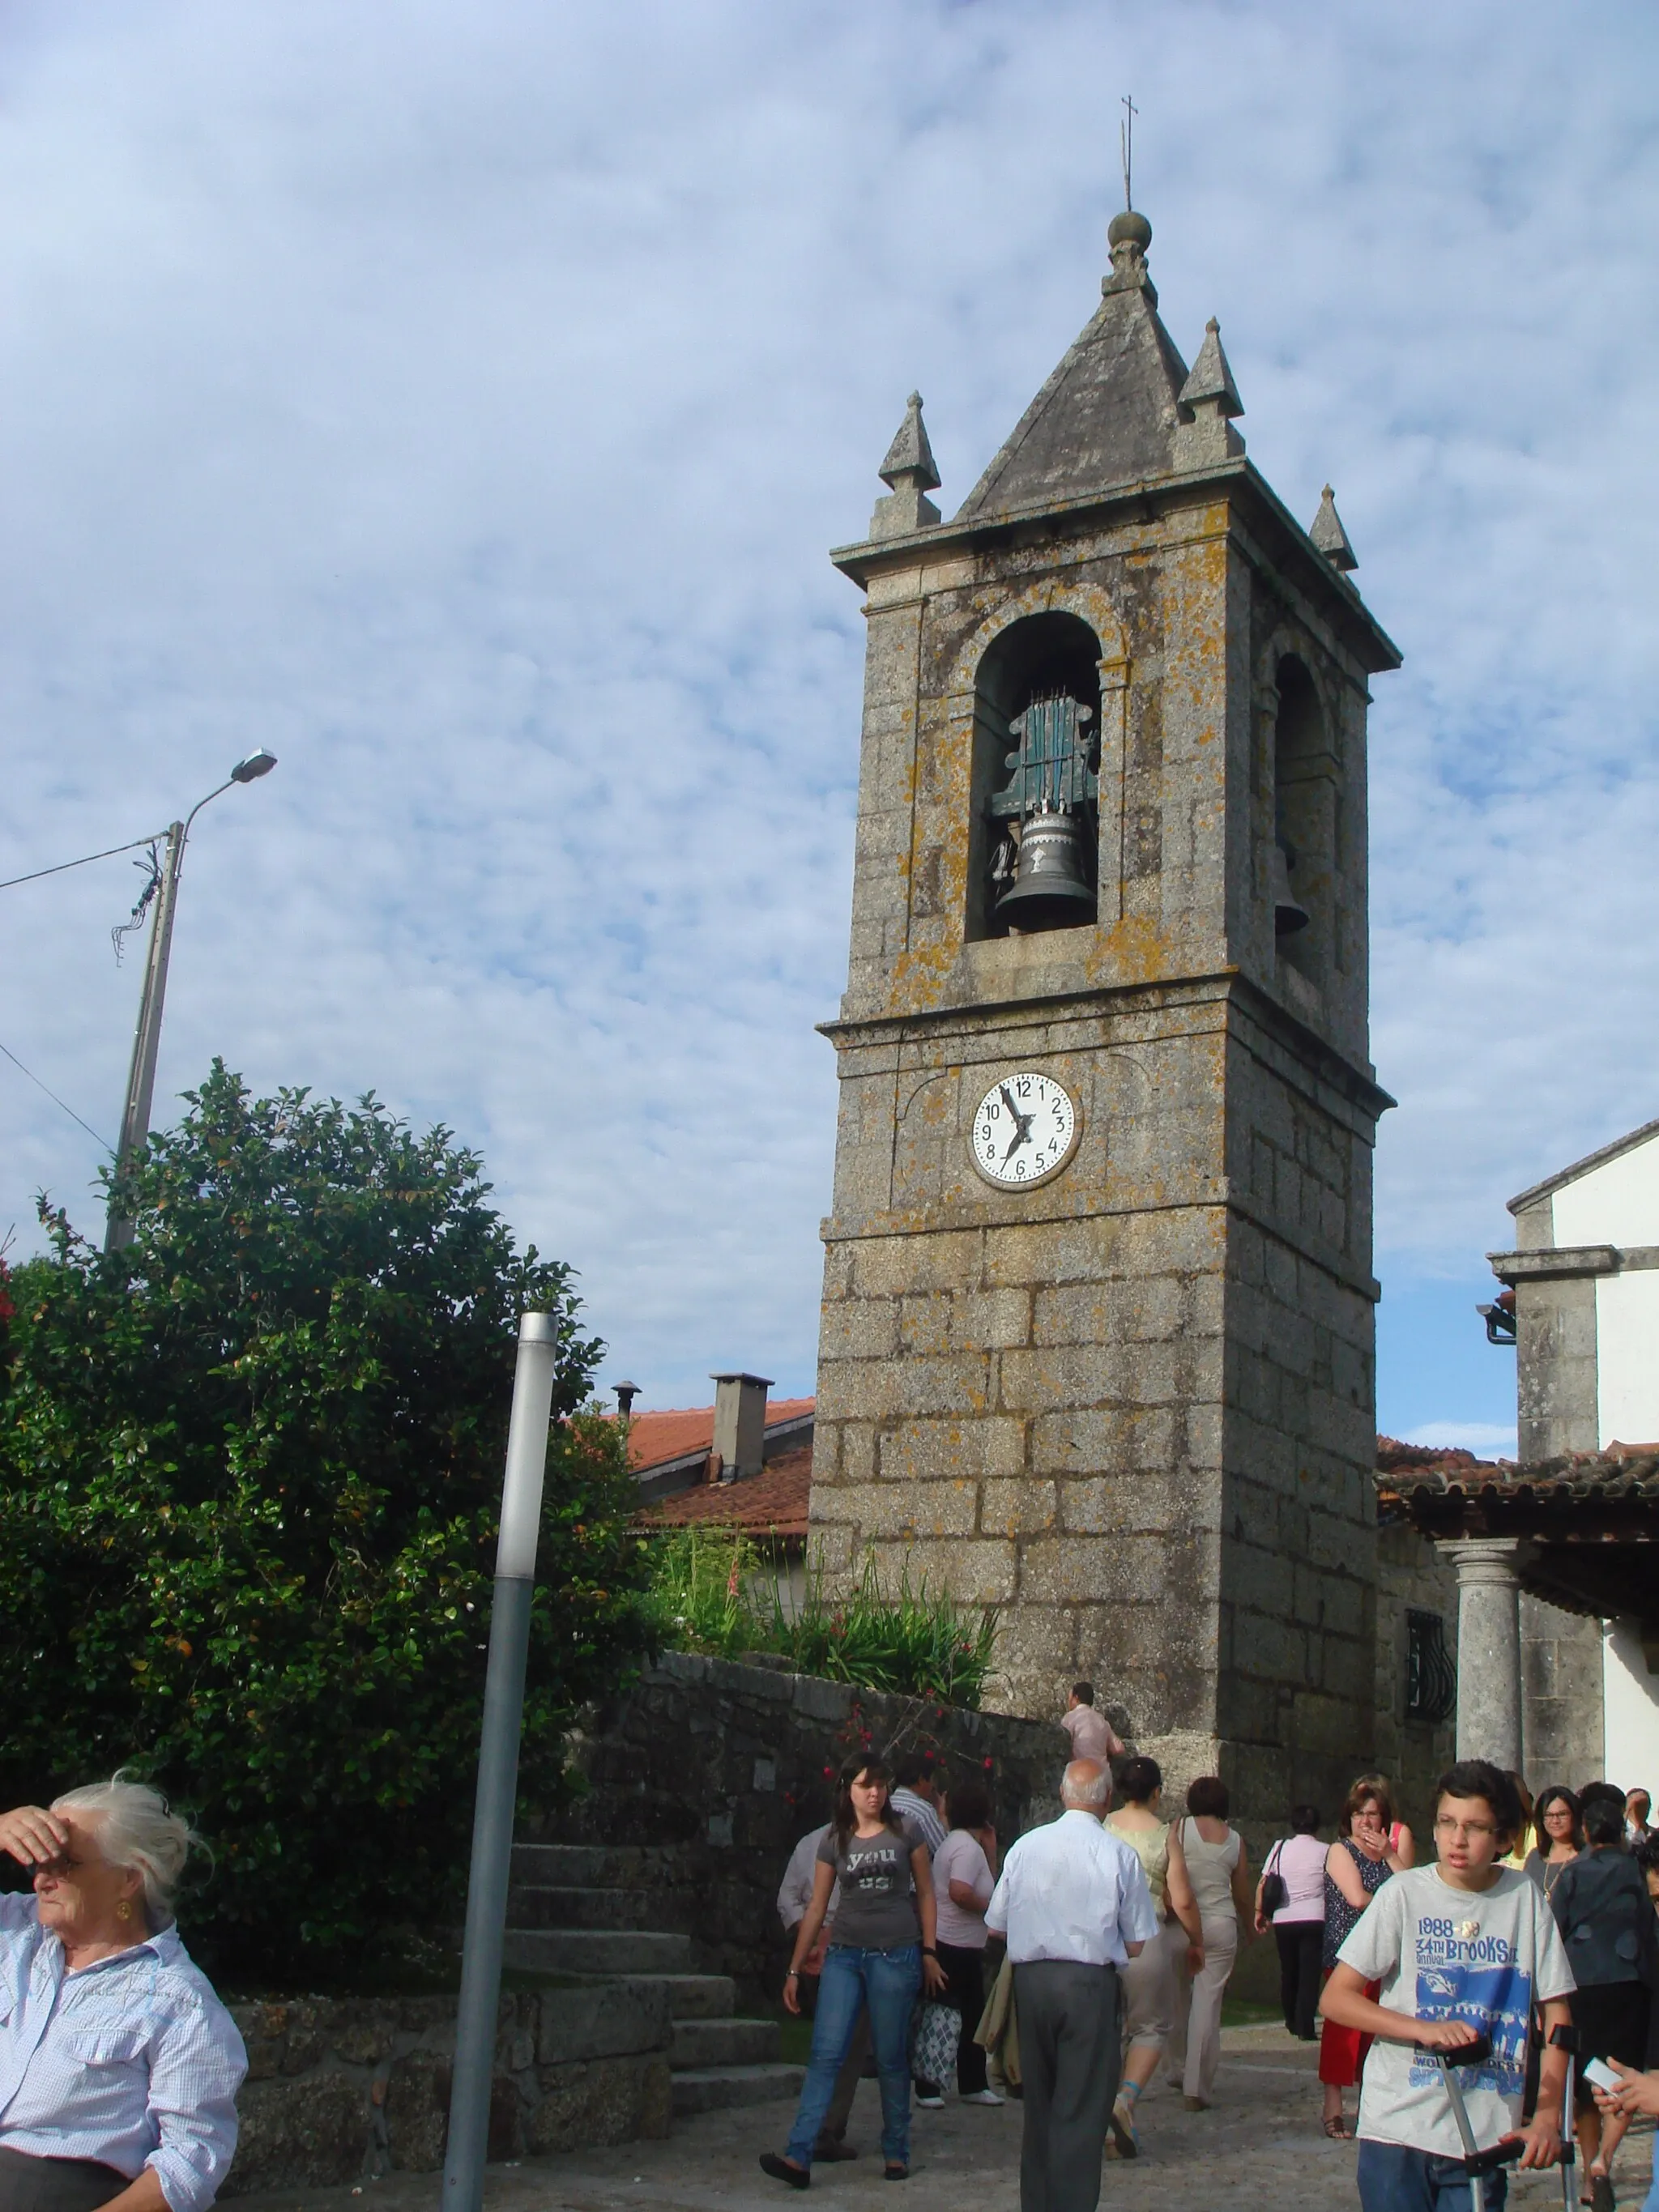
(345, 2090)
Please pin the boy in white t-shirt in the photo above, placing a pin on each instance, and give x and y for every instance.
(1463, 1949)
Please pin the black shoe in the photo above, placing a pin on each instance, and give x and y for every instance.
(781, 2170)
(828, 2149)
(896, 2173)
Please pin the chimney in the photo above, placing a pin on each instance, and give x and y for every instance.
(626, 1394)
(740, 1424)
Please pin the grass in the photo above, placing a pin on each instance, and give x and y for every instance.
(712, 1591)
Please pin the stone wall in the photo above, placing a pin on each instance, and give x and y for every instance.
(1412, 1577)
(711, 1771)
(342, 2090)
(1562, 1717)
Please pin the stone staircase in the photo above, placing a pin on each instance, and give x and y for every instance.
(567, 1914)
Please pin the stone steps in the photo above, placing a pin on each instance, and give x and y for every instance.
(575, 1866)
(703, 2043)
(719, 2089)
(537, 1907)
(701, 1996)
(576, 1909)
(595, 1951)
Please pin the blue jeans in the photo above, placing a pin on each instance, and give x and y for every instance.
(886, 1981)
(1392, 2178)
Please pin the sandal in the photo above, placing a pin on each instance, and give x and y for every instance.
(1338, 2129)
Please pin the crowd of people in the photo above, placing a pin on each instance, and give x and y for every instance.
(1067, 1970)
(1114, 1930)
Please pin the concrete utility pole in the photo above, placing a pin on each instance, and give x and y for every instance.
(498, 1764)
(147, 1038)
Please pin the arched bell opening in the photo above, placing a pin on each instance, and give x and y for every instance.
(1304, 801)
(1036, 751)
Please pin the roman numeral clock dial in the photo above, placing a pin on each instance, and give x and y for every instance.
(1024, 1130)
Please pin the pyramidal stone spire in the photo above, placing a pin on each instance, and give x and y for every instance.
(1328, 535)
(1206, 404)
(909, 469)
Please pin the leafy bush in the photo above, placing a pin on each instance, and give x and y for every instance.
(250, 1477)
(712, 1591)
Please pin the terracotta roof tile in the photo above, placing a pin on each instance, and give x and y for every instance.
(770, 1504)
(654, 1437)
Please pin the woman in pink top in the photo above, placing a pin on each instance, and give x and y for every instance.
(1092, 1735)
(1298, 1925)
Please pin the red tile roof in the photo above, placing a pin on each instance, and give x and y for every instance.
(654, 1437)
(773, 1503)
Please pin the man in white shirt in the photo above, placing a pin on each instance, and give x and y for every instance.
(1073, 1905)
(915, 1797)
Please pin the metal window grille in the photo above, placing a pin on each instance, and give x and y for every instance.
(1430, 1682)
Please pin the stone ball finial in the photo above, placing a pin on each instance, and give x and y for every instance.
(1129, 229)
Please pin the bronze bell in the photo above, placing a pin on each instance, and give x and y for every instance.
(1050, 890)
(1289, 914)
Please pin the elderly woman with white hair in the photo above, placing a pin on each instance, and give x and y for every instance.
(118, 2065)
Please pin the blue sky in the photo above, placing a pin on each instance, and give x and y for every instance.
(460, 402)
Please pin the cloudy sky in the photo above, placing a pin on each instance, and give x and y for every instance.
(459, 400)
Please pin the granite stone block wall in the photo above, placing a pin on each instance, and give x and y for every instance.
(702, 1777)
(1411, 1578)
(1132, 1407)
(344, 2090)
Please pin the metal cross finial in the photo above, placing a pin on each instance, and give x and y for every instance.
(1126, 138)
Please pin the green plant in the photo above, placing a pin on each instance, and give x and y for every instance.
(249, 1474)
(701, 1592)
(711, 1590)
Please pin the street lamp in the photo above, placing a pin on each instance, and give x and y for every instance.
(147, 1038)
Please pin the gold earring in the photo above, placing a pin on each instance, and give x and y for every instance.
(124, 1911)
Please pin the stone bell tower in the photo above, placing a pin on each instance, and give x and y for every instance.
(1097, 1339)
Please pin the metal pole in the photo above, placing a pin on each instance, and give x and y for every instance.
(147, 1038)
(498, 1764)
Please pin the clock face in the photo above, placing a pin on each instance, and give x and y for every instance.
(1024, 1128)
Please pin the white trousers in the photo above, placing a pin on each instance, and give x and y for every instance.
(1204, 2007)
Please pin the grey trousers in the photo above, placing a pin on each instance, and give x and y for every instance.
(1068, 2057)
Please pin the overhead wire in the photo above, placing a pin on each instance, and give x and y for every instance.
(85, 860)
(55, 1099)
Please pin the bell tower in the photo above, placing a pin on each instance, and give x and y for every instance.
(1096, 1341)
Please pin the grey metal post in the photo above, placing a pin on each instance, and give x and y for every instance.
(498, 1764)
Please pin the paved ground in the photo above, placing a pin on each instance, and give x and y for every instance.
(1259, 2150)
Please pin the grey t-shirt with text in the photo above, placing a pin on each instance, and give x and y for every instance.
(1486, 1956)
(877, 1907)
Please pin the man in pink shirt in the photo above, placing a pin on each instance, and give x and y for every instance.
(1092, 1735)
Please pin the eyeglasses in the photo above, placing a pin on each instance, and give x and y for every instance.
(1465, 1828)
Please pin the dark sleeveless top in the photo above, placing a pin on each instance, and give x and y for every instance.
(1341, 1918)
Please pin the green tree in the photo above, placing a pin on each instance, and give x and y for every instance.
(249, 1474)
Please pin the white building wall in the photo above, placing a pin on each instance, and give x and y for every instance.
(1629, 1710)
(1617, 1203)
(1627, 1357)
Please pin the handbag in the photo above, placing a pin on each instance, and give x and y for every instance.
(935, 2032)
(1275, 1890)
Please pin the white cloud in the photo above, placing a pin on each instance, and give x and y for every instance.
(460, 402)
(1486, 1439)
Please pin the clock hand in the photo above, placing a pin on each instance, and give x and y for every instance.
(1022, 1123)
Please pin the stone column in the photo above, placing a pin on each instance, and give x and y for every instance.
(1488, 1648)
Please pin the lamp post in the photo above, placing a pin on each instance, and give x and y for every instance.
(491, 1870)
(147, 1038)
